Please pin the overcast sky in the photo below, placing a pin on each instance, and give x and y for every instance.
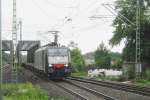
(41, 16)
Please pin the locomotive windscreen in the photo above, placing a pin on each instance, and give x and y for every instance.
(58, 59)
(58, 56)
(58, 52)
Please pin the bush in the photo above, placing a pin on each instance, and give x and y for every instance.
(148, 74)
(141, 82)
(79, 74)
(102, 56)
(117, 65)
(23, 92)
(77, 60)
(131, 72)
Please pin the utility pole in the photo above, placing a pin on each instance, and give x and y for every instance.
(14, 39)
(20, 24)
(1, 80)
(138, 49)
(138, 67)
(19, 52)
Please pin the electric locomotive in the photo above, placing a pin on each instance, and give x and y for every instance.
(53, 61)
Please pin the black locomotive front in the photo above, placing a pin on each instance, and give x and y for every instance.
(59, 62)
(55, 62)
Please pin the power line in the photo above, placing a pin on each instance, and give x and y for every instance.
(68, 17)
(121, 17)
(77, 14)
(138, 66)
(37, 5)
(85, 9)
(60, 6)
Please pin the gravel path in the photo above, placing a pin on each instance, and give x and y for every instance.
(120, 95)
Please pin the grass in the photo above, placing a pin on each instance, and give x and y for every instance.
(59, 98)
(110, 78)
(23, 92)
(79, 74)
(142, 82)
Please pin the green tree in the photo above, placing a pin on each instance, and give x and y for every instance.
(116, 59)
(102, 56)
(124, 30)
(77, 60)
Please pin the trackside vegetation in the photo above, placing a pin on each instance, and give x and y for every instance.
(23, 92)
(102, 57)
(77, 61)
(124, 31)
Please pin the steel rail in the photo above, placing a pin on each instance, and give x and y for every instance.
(120, 84)
(56, 84)
(127, 88)
(70, 91)
(106, 97)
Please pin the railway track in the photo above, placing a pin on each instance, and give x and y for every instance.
(83, 93)
(77, 88)
(70, 91)
(145, 91)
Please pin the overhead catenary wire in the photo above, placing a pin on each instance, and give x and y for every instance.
(121, 17)
(42, 11)
(86, 8)
(67, 17)
(60, 6)
(74, 16)
(136, 25)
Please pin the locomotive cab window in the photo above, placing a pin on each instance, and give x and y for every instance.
(58, 52)
(59, 55)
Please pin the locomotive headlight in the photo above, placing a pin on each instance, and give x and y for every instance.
(66, 65)
(50, 65)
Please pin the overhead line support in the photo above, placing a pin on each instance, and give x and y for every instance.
(138, 66)
(138, 48)
(14, 39)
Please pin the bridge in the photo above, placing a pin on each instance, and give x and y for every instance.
(25, 45)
